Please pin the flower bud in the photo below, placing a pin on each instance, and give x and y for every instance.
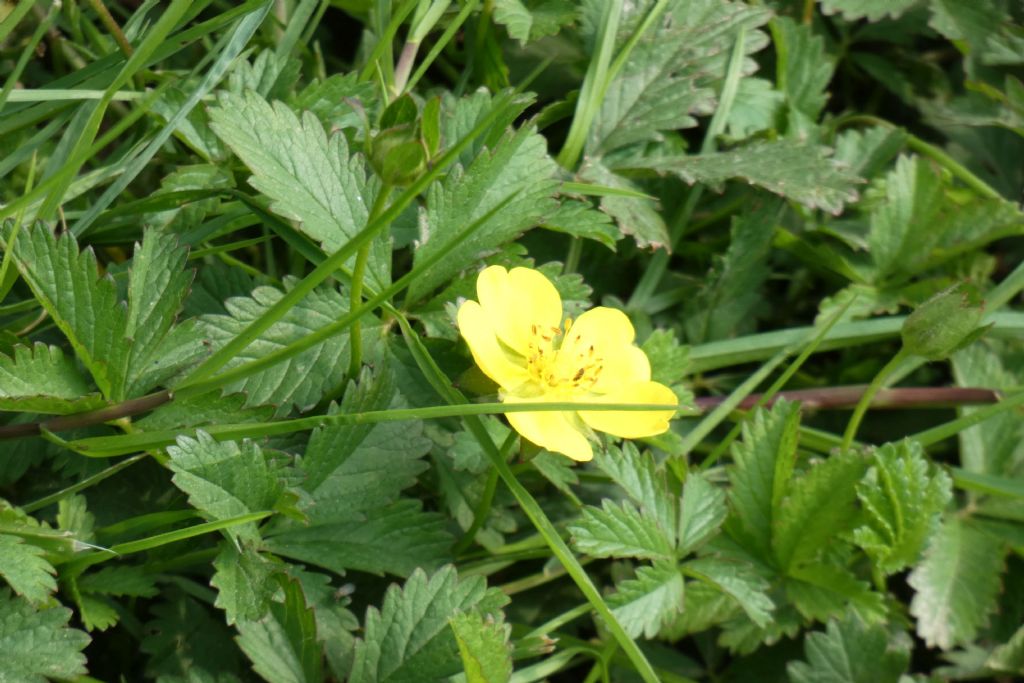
(945, 323)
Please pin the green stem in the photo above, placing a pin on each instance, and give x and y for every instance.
(483, 508)
(57, 496)
(110, 24)
(356, 299)
(869, 393)
(572, 258)
(954, 427)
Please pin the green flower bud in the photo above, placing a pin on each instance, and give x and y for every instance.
(945, 323)
(398, 155)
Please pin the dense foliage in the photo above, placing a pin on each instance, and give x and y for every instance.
(241, 437)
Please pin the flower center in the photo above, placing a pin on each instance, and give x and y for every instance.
(560, 362)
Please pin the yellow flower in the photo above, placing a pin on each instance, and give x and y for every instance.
(518, 338)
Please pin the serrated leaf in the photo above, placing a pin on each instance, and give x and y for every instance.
(301, 380)
(763, 461)
(957, 583)
(408, 638)
(244, 582)
(527, 20)
(737, 581)
(354, 476)
(808, 71)
(644, 482)
(284, 647)
(867, 152)
(704, 606)
(755, 108)
(903, 502)
(23, 567)
(986, 26)
(671, 72)
(702, 512)
(97, 613)
(872, 10)
(730, 292)
(792, 169)
(580, 219)
(620, 530)
(647, 603)
(516, 167)
(820, 505)
(996, 445)
(669, 360)
(484, 647)
(185, 642)
(81, 303)
(310, 177)
(38, 644)
(41, 379)
(157, 285)
(120, 580)
(903, 221)
(638, 217)
(226, 479)
(395, 539)
(820, 591)
(850, 651)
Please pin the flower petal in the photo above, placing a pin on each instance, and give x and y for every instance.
(627, 366)
(634, 424)
(552, 430)
(477, 330)
(515, 301)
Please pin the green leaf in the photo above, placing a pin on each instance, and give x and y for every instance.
(532, 19)
(157, 285)
(41, 379)
(120, 580)
(807, 73)
(670, 361)
(244, 582)
(996, 445)
(645, 604)
(97, 613)
(956, 584)
(408, 638)
(620, 530)
(1010, 655)
(906, 209)
(672, 73)
(309, 176)
(986, 26)
(644, 482)
(580, 219)
(185, 642)
(82, 304)
(301, 380)
(23, 567)
(354, 476)
(701, 514)
(849, 651)
(38, 645)
(395, 539)
(903, 503)
(484, 647)
(820, 505)
(821, 591)
(226, 479)
(872, 10)
(792, 169)
(763, 461)
(731, 291)
(637, 216)
(517, 166)
(756, 108)
(283, 647)
(739, 582)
